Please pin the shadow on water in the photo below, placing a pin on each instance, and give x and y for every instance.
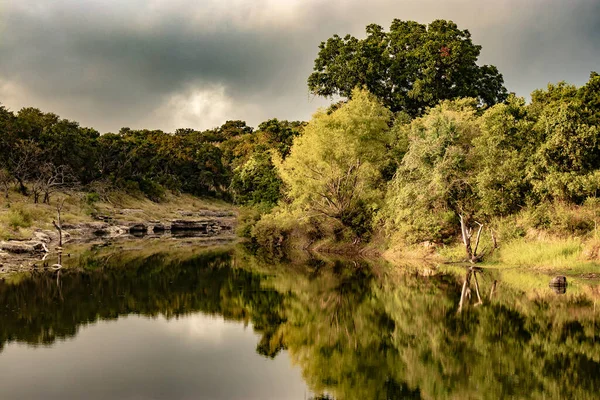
(357, 330)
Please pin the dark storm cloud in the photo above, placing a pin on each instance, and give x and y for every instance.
(181, 62)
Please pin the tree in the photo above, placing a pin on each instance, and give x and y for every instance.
(6, 180)
(333, 170)
(232, 129)
(503, 152)
(50, 179)
(256, 181)
(23, 162)
(434, 184)
(410, 68)
(280, 134)
(566, 162)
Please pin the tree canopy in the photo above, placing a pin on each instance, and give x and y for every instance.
(410, 68)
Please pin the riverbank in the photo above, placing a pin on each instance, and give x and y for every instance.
(28, 236)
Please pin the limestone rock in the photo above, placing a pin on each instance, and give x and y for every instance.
(22, 247)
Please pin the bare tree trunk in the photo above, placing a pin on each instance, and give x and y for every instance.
(22, 187)
(477, 241)
(494, 239)
(463, 293)
(58, 227)
(493, 291)
(479, 301)
(466, 236)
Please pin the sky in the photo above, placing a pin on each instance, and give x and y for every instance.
(167, 64)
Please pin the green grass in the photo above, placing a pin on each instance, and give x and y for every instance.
(548, 254)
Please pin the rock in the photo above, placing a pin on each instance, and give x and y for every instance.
(138, 228)
(131, 210)
(112, 231)
(189, 225)
(160, 227)
(559, 281)
(42, 237)
(17, 247)
(104, 218)
(206, 213)
(71, 226)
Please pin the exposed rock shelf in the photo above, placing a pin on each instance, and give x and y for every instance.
(198, 223)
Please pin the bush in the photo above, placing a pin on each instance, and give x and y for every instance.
(273, 230)
(152, 190)
(19, 218)
(249, 216)
(91, 198)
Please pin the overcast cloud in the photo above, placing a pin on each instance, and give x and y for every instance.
(166, 64)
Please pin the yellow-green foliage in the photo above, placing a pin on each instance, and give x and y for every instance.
(273, 229)
(335, 164)
(332, 175)
(433, 179)
(19, 217)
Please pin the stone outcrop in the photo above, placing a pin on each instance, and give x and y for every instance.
(22, 247)
(197, 223)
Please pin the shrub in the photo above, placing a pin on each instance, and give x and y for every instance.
(152, 190)
(91, 198)
(273, 230)
(19, 218)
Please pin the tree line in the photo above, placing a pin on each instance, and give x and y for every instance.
(427, 145)
(41, 153)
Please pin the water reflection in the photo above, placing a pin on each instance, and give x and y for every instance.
(355, 330)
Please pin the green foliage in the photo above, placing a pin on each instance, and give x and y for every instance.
(91, 198)
(274, 229)
(543, 157)
(18, 217)
(502, 153)
(434, 181)
(280, 134)
(35, 145)
(333, 169)
(410, 68)
(256, 181)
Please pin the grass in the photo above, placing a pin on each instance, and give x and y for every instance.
(19, 216)
(551, 254)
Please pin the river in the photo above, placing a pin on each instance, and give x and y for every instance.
(170, 322)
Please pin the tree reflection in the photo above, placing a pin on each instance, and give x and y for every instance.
(355, 331)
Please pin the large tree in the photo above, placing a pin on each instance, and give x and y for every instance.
(410, 68)
(333, 169)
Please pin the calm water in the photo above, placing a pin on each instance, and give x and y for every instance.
(221, 324)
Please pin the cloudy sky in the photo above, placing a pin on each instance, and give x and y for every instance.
(195, 63)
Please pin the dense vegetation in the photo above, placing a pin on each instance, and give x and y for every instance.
(41, 153)
(422, 140)
(428, 146)
(410, 68)
(415, 177)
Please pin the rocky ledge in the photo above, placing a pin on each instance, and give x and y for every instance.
(199, 223)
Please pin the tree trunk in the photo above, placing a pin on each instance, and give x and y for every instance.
(22, 187)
